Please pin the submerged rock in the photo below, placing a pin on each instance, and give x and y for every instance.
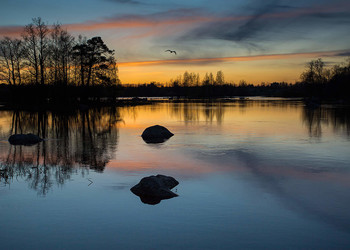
(156, 134)
(24, 139)
(153, 189)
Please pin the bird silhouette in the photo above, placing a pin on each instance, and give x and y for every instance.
(171, 51)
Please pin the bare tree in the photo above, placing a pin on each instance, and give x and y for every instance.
(61, 45)
(79, 56)
(37, 44)
(186, 79)
(6, 68)
(11, 56)
(211, 79)
(18, 52)
(220, 79)
(31, 41)
(315, 72)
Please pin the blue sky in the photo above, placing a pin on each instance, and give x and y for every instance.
(142, 30)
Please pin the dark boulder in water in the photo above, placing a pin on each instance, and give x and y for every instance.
(153, 189)
(24, 139)
(156, 134)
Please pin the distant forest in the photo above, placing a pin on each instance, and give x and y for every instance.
(47, 64)
(316, 82)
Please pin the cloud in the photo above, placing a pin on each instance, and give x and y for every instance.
(11, 30)
(252, 26)
(345, 53)
(181, 16)
(274, 21)
(166, 18)
(238, 29)
(201, 61)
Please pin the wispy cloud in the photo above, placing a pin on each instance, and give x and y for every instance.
(344, 53)
(11, 30)
(272, 20)
(182, 16)
(201, 61)
(172, 17)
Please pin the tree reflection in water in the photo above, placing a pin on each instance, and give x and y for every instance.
(194, 112)
(83, 140)
(75, 141)
(338, 118)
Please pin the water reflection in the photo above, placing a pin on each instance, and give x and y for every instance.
(302, 198)
(83, 140)
(338, 118)
(249, 174)
(192, 112)
(75, 141)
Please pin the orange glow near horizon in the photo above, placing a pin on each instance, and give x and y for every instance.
(238, 122)
(134, 36)
(253, 69)
(234, 120)
(229, 59)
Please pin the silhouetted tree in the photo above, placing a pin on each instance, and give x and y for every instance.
(186, 79)
(11, 60)
(96, 61)
(79, 54)
(315, 72)
(220, 79)
(61, 45)
(211, 79)
(37, 48)
(206, 79)
(190, 79)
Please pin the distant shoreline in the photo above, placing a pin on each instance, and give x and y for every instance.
(132, 101)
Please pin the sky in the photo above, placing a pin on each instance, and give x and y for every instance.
(252, 40)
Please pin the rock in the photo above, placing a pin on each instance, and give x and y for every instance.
(156, 134)
(153, 189)
(24, 139)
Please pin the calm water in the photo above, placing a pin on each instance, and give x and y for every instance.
(253, 174)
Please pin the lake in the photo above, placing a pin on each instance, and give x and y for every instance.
(254, 173)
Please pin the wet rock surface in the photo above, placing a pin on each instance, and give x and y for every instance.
(156, 134)
(153, 189)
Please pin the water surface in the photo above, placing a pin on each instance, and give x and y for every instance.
(253, 174)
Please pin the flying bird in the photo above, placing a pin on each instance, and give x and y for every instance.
(171, 51)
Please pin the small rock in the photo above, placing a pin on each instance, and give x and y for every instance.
(156, 134)
(24, 139)
(153, 189)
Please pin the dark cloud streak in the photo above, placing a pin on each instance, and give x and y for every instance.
(253, 25)
(274, 21)
(346, 53)
(246, 32)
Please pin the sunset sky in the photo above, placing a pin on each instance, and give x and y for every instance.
(253, 40)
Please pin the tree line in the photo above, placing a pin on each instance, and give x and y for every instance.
(317, 81)
(49, 55)
(191, 79)
(326, 82)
